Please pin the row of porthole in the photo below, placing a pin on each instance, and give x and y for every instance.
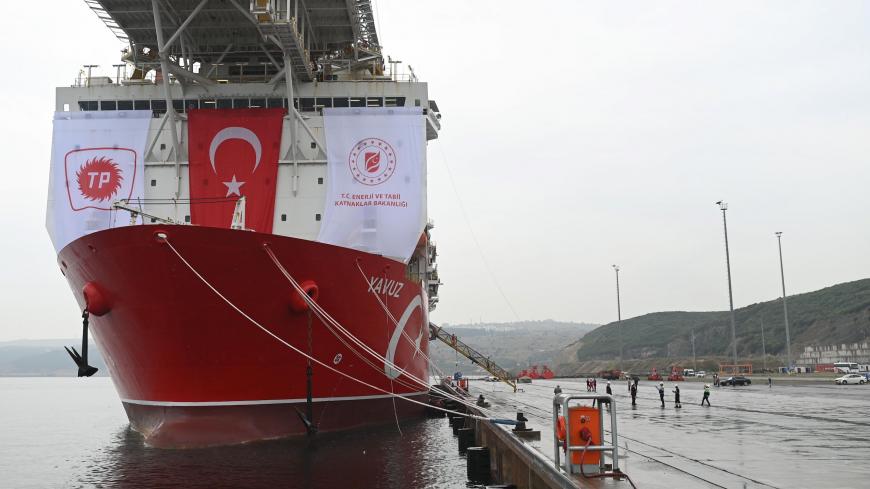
(303, 104)
(154, 181)
(317, 217)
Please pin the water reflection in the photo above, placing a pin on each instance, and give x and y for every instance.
(424, 455)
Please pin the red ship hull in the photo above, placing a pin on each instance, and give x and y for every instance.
(192, 371)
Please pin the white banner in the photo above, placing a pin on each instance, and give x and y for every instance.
(97, 158)
(376, 193)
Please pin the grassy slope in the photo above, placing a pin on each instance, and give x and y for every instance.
(837, 314)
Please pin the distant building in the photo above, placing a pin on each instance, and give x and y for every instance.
(825, 356)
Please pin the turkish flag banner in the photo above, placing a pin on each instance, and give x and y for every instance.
(233, 154)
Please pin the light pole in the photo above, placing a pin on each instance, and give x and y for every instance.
(694, 361)
(723, 207)
(763, 349)
(784, 303)
(618, 315)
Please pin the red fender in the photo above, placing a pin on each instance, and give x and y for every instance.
(96, 301)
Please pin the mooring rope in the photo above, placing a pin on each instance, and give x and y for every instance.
(327, 318)
(302, 353)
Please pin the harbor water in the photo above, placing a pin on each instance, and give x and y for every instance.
(73, 433)
(69, 432)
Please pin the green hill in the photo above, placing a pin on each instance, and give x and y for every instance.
(837, 314)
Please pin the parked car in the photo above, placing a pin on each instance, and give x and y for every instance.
(738, 380)
(850, 379)
(701, 373)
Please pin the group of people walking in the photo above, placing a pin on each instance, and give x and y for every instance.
(591, 386)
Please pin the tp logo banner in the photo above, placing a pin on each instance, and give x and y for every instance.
(98, 177)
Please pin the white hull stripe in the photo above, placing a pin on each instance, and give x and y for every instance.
(263, 401)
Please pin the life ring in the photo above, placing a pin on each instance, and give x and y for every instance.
(96, 301)
(560, 428)
(297, 302)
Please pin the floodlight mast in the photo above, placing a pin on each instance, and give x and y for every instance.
(618, 316)
(724, 207)
(784, 303)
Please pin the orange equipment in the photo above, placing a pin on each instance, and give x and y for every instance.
(584, 421)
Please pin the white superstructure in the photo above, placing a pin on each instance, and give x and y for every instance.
(209, 54)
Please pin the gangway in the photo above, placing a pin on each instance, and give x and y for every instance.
(470, 353)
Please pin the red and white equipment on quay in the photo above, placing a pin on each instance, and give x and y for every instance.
(240, 212)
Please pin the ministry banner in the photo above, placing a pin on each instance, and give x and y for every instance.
(97, 158)
(234, 153)
(376, 193)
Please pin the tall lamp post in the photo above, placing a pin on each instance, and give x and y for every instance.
(784, 303)
(723, 207)
(763, 349)
(618, 315)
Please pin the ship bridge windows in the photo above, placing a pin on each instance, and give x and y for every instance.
(158, 107)
(303, 104)
(306, 104)
(394, 101)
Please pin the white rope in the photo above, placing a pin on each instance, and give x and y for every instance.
(396, 323)
(440, 372)
(315, 360)
(327, 318)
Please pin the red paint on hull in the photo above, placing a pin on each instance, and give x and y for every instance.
(202, 426)
(168, 339)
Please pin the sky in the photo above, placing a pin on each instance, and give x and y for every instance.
(576, 135)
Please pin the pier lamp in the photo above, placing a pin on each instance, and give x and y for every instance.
(784, 303)
(618, 315)
(724, 207)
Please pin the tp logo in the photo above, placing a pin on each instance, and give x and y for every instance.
(97, 177)
(372, 161)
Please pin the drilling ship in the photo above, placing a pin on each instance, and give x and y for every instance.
(239, 208)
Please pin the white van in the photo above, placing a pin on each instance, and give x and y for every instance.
(687, 372)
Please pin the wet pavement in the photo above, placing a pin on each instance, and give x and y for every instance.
(793, 435)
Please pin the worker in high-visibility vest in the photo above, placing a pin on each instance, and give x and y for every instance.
(706, 395)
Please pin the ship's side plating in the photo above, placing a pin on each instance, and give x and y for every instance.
(190, 369)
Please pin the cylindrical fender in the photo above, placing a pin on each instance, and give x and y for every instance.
(96, 300)
(297, 302)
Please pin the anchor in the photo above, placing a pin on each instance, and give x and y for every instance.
(85, 370)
